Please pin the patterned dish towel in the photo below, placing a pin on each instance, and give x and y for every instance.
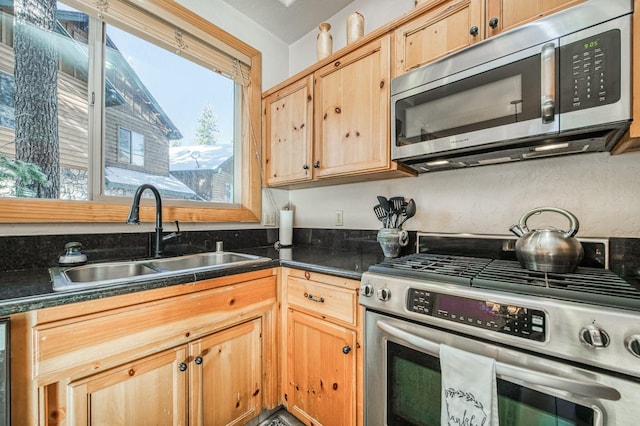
(469, 394)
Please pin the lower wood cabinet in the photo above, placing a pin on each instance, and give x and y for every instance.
(322, 339)
(216, 377)
(194, 354)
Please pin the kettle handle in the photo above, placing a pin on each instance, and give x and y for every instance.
(574, 225)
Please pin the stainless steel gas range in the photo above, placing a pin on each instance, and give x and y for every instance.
(567, 346)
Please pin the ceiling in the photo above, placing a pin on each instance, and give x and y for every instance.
(289, 23)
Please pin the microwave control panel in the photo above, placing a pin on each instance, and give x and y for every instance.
(590, 72)
(514, 320)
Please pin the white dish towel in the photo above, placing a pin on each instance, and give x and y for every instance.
(469, 394)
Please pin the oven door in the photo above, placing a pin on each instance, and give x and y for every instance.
(402, 381)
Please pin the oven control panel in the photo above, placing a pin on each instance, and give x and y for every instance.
(514, 320)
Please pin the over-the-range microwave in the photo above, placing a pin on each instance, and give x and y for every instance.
(559, 85)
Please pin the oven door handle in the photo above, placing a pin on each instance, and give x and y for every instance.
(512, 373)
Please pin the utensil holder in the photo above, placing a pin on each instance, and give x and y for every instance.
(391, 240)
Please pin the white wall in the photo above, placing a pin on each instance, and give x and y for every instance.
(302, 53)
(603, 191)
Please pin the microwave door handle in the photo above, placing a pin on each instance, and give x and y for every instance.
(548, 82)
(519, 375)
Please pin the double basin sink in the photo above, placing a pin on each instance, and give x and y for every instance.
(112, 273)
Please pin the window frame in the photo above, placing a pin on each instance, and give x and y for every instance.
(248, 209)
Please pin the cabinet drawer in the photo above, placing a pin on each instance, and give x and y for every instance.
(323, 299)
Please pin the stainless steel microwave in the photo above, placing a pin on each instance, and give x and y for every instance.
(559, 85)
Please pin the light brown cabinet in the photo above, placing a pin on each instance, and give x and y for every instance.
(322, 340)
(288, 134)
(504, 15)
(333, 125)
(195, 354)
(351, 112)
(446, 26)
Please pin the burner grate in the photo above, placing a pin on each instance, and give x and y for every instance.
(451, 269)
(591, 285)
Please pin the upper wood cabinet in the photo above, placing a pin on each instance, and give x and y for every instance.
(288, 133)
(450, 25)
(352, 112)
(504, 15)
(332, 126)
(445, 26)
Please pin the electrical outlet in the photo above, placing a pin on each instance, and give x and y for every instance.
(339, 217)
(270, 219)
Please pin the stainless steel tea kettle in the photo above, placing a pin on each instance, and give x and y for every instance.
(548, 249)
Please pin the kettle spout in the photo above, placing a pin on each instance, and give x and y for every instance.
(517, 230)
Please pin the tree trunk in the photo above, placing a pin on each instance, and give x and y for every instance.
(36, 99)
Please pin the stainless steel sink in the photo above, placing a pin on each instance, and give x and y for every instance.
(212, 260)
(111, 273)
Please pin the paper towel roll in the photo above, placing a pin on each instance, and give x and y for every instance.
(286, 227)
(286, 254)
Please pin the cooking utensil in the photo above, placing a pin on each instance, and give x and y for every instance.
(381, 214)
(384, 203)
(395, 204)
(409, 212)
(548, 249)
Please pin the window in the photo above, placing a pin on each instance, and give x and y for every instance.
(128, 96)
(130, 147)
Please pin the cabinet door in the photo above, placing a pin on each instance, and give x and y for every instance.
(226, 376)
(448, 27)
(288, 133)
(321, 372)
(352, 112)
(151, 391)
(503, 15)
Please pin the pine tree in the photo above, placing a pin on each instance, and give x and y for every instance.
(207, 132)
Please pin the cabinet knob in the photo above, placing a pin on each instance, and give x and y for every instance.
(182, 366)
(316, 165)
(493, 23)
(198, 360)
(305, 167)
(474, 31)
(346, 349)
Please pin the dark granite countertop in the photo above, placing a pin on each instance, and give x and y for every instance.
(27, 290)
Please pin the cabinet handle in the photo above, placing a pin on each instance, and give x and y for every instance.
(493, 23)
(474, 31)
(198, 360)
(316, 165)
(346, 349)
(314, 299)
(182, 366)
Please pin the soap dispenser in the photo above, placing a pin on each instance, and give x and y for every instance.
(73, 255)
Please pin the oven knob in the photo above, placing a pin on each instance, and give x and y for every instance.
(384, 294)
(594, 337)
(633, 344)
(366, 290)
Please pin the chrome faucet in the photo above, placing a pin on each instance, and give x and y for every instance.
(134, 218)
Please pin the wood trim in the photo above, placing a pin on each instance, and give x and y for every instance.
(13, 210)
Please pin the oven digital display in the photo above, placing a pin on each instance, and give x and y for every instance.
(509, 319)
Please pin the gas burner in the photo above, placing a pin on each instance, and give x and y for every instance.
(591, 285)
(450, 269)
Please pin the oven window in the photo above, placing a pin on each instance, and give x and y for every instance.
(413, 387)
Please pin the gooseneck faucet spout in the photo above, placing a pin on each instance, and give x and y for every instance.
(134, 217)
